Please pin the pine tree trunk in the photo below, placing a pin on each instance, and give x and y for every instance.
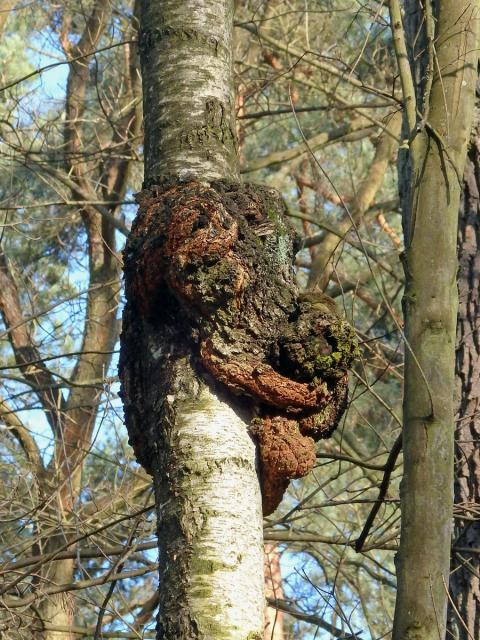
(274, 618)
(57, 611)
(465, 567)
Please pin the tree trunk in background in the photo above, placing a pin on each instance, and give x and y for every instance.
(323, 265)
(465, 566)
(199, 451)
(73, 417)
(274, 626)
(436, 158)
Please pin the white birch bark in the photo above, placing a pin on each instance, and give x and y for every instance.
(223, 508)
(208, 494)
(187, 66)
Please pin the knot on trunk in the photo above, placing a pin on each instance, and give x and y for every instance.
(285, 453)
(217, 260)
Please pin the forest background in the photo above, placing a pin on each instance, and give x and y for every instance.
(318, 117)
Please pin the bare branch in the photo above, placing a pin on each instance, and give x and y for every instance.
(23, 346)
(389, 467)
(22, 435)
(282, 605)
(356, 127)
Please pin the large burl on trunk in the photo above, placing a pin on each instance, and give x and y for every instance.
(209, 277)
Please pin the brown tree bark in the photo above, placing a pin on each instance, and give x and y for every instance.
(322, 264)
(464, 612)
(274, 618)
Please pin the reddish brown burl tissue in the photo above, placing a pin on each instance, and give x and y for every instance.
(223, 256)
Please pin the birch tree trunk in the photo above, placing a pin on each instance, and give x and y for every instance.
(200, 453)
(217, 342)
(439, 119)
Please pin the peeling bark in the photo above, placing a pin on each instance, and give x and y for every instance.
(274, 618)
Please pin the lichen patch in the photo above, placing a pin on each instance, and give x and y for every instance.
(218, 259)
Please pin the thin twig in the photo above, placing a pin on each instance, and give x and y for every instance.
(389, 467)
(406, 77)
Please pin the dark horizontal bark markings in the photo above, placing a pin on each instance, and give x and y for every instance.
(218, 260)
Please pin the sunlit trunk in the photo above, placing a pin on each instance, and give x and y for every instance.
(431, 188)
(194, 441)
(464, 622)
